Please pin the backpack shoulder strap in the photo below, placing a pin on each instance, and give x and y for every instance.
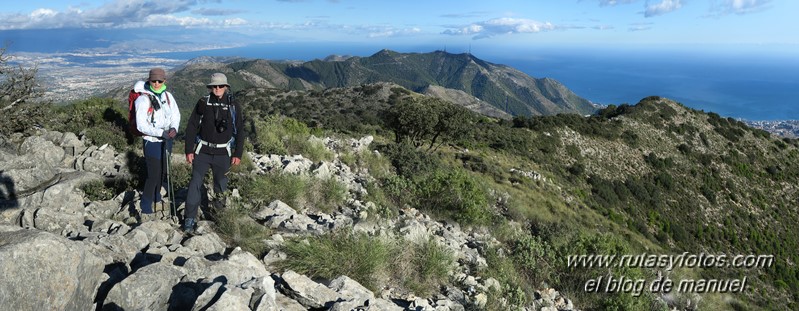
(233, 115)
(155, 104)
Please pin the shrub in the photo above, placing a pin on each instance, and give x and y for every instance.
(428, 122)
(421, 268)
(275, 186)
(410, 162)
(103, 121)
(299, 192)
(515, 289)
(455, 194)
(284, 135)
(367, 160)
(98, 190)
(267, 139)
(325, 194)
(424, 267)
(534, 258)
(180, 174)
(399, 191)
(356, 255)
(237, 228)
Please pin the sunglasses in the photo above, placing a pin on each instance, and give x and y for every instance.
(216, 87)
(156, 81)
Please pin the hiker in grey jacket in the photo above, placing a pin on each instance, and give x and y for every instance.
(158, 122)
(215, 140)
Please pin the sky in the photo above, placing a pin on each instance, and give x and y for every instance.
(719, 55)
(758, 24)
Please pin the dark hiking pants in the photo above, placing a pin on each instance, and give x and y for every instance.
(219, 165)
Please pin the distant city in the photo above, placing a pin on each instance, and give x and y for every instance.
(782, 128)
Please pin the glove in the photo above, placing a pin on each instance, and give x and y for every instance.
(172, 133)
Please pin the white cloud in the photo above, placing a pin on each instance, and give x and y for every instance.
(43, 13)
(603, 27)
(216, 12)
(740, 6)
(392, 32)
(665, 6)
(117, 14)
(499, 26)
(640, 26)
(614, 2)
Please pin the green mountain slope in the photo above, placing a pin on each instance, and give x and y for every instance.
(663, 177)
(656, 179)
(500, 86)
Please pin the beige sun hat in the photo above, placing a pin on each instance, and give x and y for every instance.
(218, 79)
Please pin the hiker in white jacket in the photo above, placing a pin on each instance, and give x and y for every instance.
(158, 120)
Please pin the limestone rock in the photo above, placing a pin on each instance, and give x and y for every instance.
(307, 292)
(43, 271)
(149, 288)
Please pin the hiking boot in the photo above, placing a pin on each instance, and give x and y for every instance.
(188, 226)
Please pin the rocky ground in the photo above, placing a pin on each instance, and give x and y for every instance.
(60, 251)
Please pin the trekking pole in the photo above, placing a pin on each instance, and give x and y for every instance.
(168, 160)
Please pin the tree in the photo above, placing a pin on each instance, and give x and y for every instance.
(430, 121)
(412, 121)
(17, 85)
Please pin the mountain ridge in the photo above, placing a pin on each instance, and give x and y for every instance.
(500, 86)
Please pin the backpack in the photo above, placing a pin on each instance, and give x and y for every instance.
(232, 142)
(132, 96)
(231, 108)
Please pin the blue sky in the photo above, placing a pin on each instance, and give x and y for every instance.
(763, 24)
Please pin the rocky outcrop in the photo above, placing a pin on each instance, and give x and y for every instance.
(43, 271)
(60, 251)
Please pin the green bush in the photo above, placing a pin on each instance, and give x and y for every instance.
(299, 192)
(399, 191)
(276, 186)
(429, 265)
(535, 259)
(103, 121)
(384, 207)
(180, 174)
(420, 268)
(410, 162)
(455, 194)
(374, 162)
(98, 190)
(429, 122)
(356, 255)
(237, 228)
(284, 135)
(326, 194)
(516, 290)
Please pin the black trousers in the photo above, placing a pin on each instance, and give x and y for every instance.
(219, 165)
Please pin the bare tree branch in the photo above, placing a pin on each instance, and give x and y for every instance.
(17, 85)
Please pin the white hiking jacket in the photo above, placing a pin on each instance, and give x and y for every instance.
(165, 118)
